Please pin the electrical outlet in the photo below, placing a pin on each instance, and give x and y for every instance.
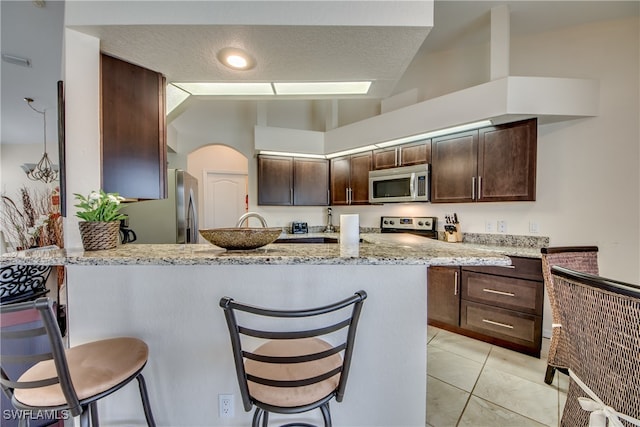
(533, 227)
(502, 226)
(489, 227)
(225, 405)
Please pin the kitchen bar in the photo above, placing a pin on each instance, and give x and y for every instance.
(168, 295)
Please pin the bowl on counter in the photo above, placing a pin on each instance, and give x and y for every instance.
(241, 238)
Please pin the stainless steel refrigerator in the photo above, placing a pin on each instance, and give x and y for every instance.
(170, 220)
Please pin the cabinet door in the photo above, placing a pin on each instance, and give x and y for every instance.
(454, 167)
(310, 182)
(415, 154)
(385, 158)
(507, 162)
(340, 180)
(360, 167)
(275, 180)
(134, 152)
(443, 294)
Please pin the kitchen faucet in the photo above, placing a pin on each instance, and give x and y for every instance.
(248, 215)
(330, 228)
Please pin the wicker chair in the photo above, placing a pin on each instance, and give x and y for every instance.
(298, 366)
(579, 258)
(601, 319)
(40, 376)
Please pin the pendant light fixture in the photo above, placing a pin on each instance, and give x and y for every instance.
(44, 170)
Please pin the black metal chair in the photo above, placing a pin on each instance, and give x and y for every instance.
(40, 376)
(23, 282)
(298, 365)
(601, 319)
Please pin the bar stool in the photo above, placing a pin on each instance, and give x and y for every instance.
(23, 282)
(67, 381)
(298, 366)
(579, 258)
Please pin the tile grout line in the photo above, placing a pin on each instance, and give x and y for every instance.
(484, 363)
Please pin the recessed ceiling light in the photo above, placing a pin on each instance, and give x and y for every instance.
(322, 88)
(236, 89)
(236, 59)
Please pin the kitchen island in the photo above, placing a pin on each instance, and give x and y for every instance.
(168, 295)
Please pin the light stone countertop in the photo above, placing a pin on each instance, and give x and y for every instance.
(375, 249)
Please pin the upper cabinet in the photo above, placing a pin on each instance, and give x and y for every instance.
(134, 153)
(293, 181)
(350, 179)
(404, 155)
(496, 163)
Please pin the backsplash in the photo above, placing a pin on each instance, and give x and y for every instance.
(504, 240)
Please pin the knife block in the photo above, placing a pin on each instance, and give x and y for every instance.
(452, 233)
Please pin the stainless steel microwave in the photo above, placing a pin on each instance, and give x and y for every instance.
(403, 184)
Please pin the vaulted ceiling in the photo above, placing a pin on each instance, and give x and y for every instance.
(286, 51)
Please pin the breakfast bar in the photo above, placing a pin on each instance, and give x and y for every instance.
(168, 296)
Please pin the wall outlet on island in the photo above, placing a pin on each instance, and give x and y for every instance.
(225, 405)
(502, 226)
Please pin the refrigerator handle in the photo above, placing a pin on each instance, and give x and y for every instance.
(192, 235)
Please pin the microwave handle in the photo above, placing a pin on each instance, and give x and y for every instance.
(413, 184)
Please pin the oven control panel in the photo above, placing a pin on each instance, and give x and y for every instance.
(403, 223)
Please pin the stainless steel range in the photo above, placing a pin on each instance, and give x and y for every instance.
(422, 225)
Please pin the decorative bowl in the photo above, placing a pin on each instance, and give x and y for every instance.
(241, 238)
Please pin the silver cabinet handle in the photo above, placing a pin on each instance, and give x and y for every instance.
(399, 156)
(479, 187)
(504, 325)
(493, 291)
(346, 190)
(473, 188)
(455, 283)
(291, 195)
(395, 160)
(328, 197)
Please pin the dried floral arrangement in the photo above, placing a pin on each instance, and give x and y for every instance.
(34, 220)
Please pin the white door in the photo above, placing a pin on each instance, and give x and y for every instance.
(224, 198)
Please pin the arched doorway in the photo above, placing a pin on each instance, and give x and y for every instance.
(223, 174)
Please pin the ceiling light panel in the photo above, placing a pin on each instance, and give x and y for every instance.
(322, 88)
(175, 97)
(228, 89)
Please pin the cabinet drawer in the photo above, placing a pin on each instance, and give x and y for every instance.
(515, 294)
(520, 328)
(521, 267)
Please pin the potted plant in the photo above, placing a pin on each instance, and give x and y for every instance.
(101, 214)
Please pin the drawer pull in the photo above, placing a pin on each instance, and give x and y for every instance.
(455, 283)
(504, 325)
(493, 291)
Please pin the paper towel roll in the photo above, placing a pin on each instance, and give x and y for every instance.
(350, 235)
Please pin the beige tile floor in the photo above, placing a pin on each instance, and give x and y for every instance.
(475, 384)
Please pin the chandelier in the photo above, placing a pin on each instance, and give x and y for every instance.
(44, 170)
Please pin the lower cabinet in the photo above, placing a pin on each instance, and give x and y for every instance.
(499, 305)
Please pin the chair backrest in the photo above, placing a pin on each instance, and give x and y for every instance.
(23, 282)
(29, 334)
(250, 325)
(601, 318)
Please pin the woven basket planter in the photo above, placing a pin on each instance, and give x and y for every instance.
(98, 235)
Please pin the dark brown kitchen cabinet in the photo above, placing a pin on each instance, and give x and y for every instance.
(350, 179)
(293, 181)
(507, 162)
(454, 166)
(500, 305)
(403, 155)
(443, 295)
(495, 163)
(134, 152)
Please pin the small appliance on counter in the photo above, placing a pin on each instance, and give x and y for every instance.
(127, 235)
(452, 228)
(299, 227)
(422, 226)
